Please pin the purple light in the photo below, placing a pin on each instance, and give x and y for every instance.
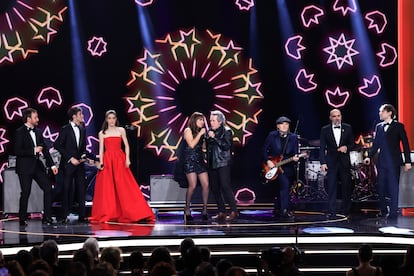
(293, 47)
(371, 87)
(49, 96)
(311, 14)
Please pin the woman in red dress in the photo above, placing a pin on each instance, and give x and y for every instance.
(117, 195)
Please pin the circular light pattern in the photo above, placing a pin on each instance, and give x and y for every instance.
(197, 57)
(25, 25)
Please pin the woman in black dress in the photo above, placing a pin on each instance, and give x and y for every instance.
(194, 162)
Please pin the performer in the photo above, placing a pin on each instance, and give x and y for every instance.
(194, 163)
(219, 143)
(388, 136)
(71, 143)
(117, 195)
(280, 145)
(336, 141)
(28, 146)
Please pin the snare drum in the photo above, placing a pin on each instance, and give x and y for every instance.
(313, 170)
(356, 157)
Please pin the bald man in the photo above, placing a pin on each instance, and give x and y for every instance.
(336, 140)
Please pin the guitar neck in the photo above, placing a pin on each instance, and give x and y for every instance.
(290, 159)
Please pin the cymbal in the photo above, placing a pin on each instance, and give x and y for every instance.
(316, 143)
(308, 148)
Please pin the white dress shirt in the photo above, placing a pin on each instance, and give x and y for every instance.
(337, 133)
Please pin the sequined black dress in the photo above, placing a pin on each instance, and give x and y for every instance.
(194, 158)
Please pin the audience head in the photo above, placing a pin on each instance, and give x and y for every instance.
(92, 245)
(15, 269)
(35, 252)
(136, 261)
(222, 266)
(49, 252)
(159, 254)
(205, 269)
(185, 245)
(40, 267)
(112, 255)
(25, 259)
(205, 253)
(163, 269)
(236, 271)
(103, 269)
(84, 256)
(77, 269)
(365, 253)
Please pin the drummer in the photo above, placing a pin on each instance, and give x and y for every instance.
(336, 141)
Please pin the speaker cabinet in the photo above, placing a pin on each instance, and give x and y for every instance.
(11, 194)
(163, 189)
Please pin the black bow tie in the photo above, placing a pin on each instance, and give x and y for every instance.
(30, 129)
(337, 127)
(387, 124)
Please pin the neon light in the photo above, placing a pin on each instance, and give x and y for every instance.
(371, 87)
(339, 43)
(3, 140)
(310, 15)
(293, 47)
(97, 46)
(388, 55)
(14, 107)
(337, 98)
(2, 168)
(88, 115)
(342, 5)
(144, 3)
(377, 20)
(49, 96)
(92, 142)
(245, 4)
(48, 134)
(304, 81)
(245, 190)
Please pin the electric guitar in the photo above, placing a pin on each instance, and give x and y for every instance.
(271, 173)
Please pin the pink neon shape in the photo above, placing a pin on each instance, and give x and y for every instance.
(371, 87)
(93, 142)
(14, 107)
(97, 46)
(332, 49)
(388, 55)
(311, 14)
(144, 3)
(47, 133)
(2, 168)
(304, 81)
(337, 98)
(87, 115)
(377, 20)
(342, 5)
(244, 191)
(50, 96)
(293, 47)
(245, 4)
(3, 139)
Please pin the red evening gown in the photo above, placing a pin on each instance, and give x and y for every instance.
(117, 196)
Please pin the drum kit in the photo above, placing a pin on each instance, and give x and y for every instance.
(313, 185)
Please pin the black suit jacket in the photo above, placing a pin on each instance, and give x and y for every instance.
(67, 146)
(328, 151)
(26, 160)
(389, 144)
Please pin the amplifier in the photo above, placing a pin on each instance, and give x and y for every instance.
(164, 189)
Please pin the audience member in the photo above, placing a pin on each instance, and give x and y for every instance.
(222, 266)
(191, 260)
(364, 268)
(39, 266)
(112, 255)
(77, 269)
(159, 254)
(85, 257)
(136, 263)
(103, 269)
(35, 252)
(184, 246)
(25, 259)
(205, 269)
(15, 269)
(49, 252)
(407, 268)
(236, 271)
(92, 245)
(205, 254)
(163, 269)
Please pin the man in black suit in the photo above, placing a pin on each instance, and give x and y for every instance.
(28, 146)
(71, 143)
(336, 141)
(388, 136)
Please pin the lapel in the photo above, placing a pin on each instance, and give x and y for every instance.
(331, 134)
(341, 134)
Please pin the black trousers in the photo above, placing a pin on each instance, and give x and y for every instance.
(343, 174)
(220, 186)
(42, 180)
(73, 182)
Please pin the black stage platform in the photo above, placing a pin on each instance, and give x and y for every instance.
(329, 245)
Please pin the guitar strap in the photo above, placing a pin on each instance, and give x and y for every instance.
(285, 145)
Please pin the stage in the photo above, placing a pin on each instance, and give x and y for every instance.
(327, 245)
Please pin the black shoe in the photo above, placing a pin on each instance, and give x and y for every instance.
(287, 214)
(83, 220)
(63, 220)
(23, 222)
(47, 220)
(381, 214)
(4, 216)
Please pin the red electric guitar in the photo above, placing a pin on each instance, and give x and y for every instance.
(271, 174)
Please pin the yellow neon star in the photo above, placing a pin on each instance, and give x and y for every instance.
(160, 141)
(249, 90)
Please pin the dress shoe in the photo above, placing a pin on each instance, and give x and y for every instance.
(63, 220)
(23, 222)
(381, 215)
(47, 220)
(219, 216)
(82, 220)
(233, 215)
(286, 214)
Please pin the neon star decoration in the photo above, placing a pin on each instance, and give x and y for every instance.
(293, 47)
(182, 56)
(377, 21)
(245, 4)
(97, 46)
(13, 108)
(344, 6)
(388, 55)
(340, 51)
(3, 140)
(371, 87)
(26, 25)
(49, 96)
(310, 15)
(337, 98)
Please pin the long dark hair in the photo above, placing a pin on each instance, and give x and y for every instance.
(105, 123)
(192, 122)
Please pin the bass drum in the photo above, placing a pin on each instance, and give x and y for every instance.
(312, 170)
(356, 157)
